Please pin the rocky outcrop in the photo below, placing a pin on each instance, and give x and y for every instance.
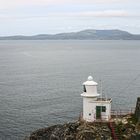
(73, 131)
(127, 127)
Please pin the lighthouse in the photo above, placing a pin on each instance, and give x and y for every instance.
(95, 108)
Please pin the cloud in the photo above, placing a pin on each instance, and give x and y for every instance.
(105, 13)
(16, 3)
(97, 14)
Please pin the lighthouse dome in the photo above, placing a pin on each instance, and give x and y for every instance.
(90, 88)
(90, 78)
(90, 82)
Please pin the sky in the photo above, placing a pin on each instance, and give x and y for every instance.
(30, 17)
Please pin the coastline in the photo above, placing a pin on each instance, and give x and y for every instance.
(123, 127)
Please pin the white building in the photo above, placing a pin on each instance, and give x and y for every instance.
(94, 108)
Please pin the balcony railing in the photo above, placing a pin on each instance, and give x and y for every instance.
(114, 114)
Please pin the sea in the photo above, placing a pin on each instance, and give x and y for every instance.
(41, 81)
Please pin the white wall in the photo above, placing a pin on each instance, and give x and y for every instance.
(91, 90)
(89, 107)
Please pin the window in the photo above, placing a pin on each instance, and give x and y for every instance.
(103, 108)
(84, 87)
(100, 109)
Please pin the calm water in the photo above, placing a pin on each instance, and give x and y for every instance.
(40, 81)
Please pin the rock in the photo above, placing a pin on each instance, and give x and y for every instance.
(137, 128)
(54, 137)
(85, 135)
(137, 111)
(86, 131)
(124, 121)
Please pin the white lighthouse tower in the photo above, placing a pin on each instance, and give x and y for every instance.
(94, 107)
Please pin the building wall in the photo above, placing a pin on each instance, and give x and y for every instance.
(89, 109)
(91, 90)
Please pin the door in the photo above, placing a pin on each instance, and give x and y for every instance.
(98, 112)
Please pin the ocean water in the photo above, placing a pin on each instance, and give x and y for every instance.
(41, 81)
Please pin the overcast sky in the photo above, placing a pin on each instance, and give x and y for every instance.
(29, 17)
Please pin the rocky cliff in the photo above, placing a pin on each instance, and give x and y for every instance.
(122, 128)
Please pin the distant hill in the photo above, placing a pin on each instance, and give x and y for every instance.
(89, 34)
